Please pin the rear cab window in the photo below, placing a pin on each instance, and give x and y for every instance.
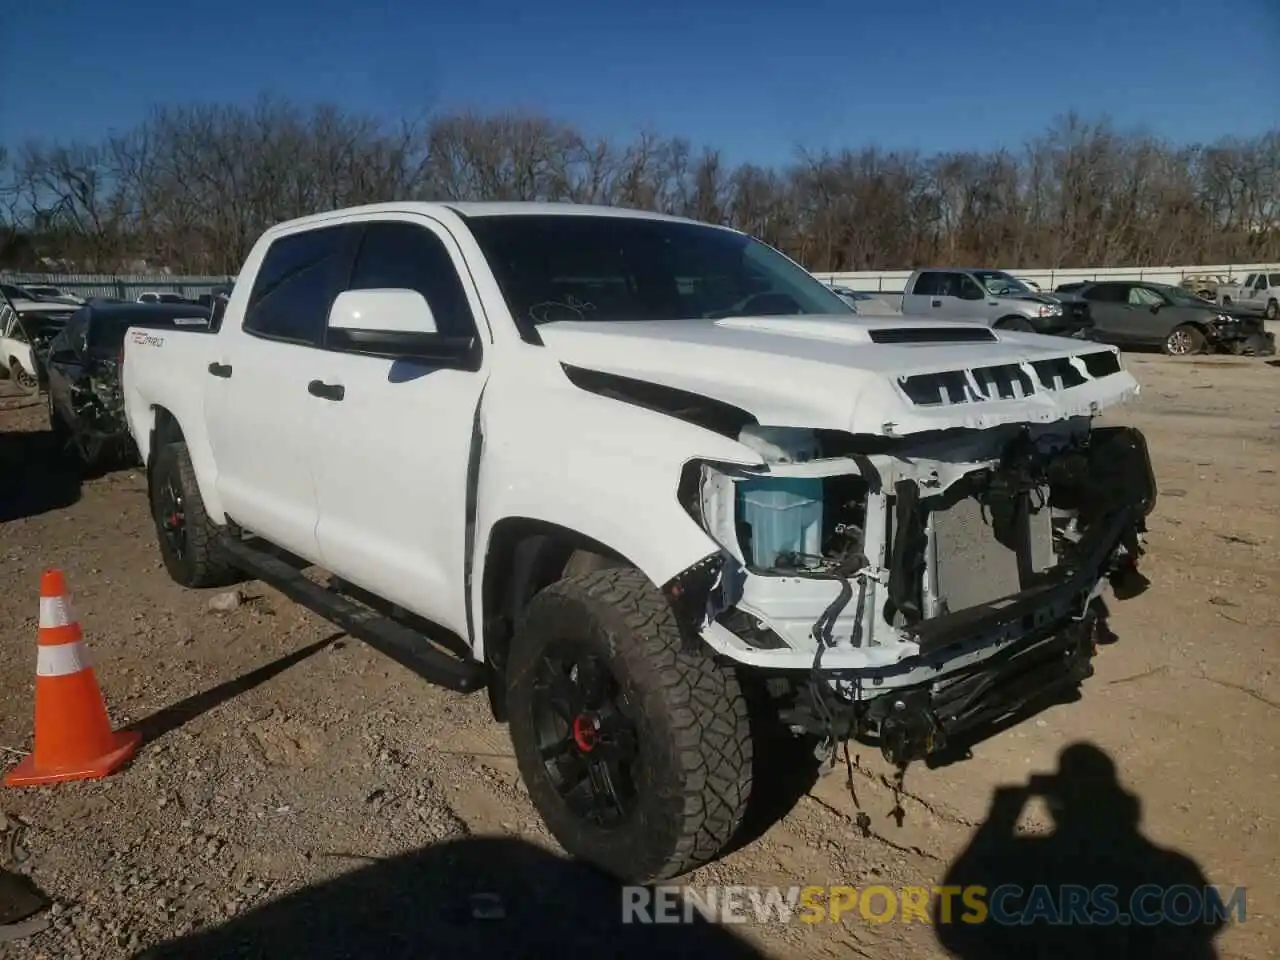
(928, 284)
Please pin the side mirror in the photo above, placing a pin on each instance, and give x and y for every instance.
(1155, 307)
(393, 323)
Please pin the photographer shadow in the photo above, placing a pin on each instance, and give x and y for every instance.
(1095, 888)
(480, 897)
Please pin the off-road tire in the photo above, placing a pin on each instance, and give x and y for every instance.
(1016, 324)
(694, 776)
(1193, 335)
(202, 564)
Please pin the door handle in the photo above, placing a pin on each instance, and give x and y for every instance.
(220, 370)
(937, 303)
(326, 391)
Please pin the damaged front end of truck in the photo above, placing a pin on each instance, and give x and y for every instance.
(910, 584)
(97, 401)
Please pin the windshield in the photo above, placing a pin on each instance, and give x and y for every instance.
(15, 293)
(600, 268)
(1180, 297)
(1000, 284)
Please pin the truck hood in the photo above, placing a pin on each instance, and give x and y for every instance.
(862, 375)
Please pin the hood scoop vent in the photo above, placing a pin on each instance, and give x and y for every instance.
(957, 334)
(1011, 381)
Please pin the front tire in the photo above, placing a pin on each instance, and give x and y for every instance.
(1016, 324)
(1184, 340)
(188, 538)
(636, 752)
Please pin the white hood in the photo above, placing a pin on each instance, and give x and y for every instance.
(838, 373)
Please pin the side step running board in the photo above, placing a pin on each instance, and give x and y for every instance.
(407, 647)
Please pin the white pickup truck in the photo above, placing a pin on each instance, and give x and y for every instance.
(1260, 293)
(626, 471)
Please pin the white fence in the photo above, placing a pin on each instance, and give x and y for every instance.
(892, 281)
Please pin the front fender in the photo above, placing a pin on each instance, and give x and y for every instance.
(612, 477)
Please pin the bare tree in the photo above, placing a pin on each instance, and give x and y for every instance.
(192, 187)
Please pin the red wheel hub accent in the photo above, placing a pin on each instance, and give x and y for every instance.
(584, 733)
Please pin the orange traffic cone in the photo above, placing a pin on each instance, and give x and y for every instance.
(74, 739)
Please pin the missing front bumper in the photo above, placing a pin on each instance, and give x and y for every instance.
(920, 722)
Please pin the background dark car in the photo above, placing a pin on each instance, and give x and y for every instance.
(1138, 314)
(86, 411)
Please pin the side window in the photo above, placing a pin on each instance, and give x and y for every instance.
(406, 256)
(968, 288)
(927, 285)
(1249, 280)
(1142, 297)
(72, 336)
(1274, 280)
(948, 285)
(296, 284)
(1107, 293)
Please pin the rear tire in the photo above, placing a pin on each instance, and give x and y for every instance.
(1184, 340)
(25, 381)
(188, 538)
(669, 728)
(1016, 324)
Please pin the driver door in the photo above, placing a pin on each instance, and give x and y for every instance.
(967, 300)
(1148, 322)
(1258, 295)
(1109, 307)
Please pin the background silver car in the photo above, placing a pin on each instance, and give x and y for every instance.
(994, 298)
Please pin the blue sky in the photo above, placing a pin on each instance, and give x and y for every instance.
(751, 77)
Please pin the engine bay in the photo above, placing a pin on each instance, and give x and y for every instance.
(837, 548)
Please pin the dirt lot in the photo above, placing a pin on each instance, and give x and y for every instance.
(302, 794)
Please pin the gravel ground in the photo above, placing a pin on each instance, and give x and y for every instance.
(299, 795)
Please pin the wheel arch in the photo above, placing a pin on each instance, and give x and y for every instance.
(165, 427)
(1204, 329)
(1015, 319)
(522, 556)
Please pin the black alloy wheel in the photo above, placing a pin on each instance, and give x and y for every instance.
(171, 515)
(588, 743)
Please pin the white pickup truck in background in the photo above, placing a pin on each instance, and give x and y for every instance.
(1260, 293)
(626, 471)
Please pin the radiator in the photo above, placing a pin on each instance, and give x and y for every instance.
(970, 566)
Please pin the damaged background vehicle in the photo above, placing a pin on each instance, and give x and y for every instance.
(627, 471)
(86, 410)
(28, 325)
(1128, 313)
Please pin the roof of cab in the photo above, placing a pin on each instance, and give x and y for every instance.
(468, 210)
